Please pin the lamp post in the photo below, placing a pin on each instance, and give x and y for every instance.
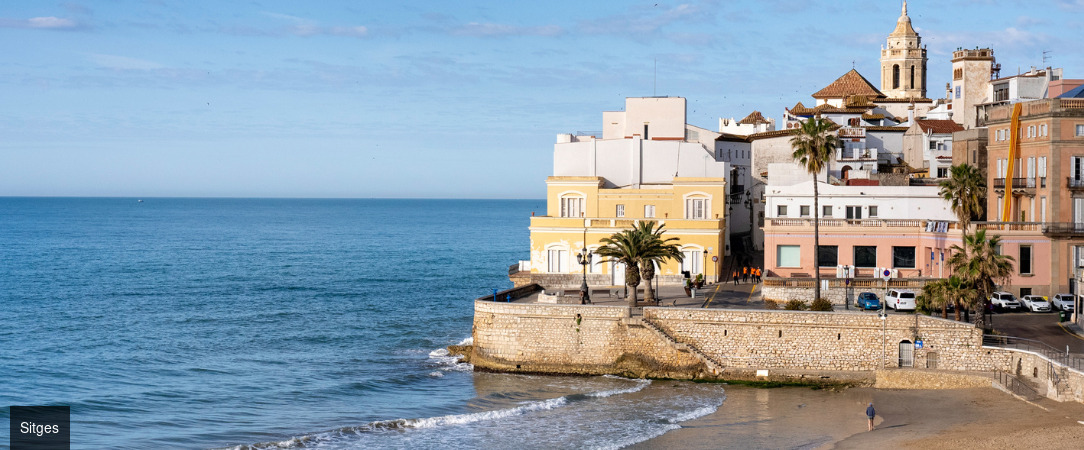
(584, 257)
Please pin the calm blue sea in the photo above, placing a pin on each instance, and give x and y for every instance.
(260, 323)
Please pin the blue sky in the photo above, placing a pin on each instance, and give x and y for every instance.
(424, 99)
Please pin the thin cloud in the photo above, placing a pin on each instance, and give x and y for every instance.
(116, 62)
(42, 23)
(643, 20)
(495, 29)
(308, 27)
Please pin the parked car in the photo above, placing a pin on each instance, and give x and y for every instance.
(900, 300)
(1004, 300)
(1062, 302)
(1035, 303)
(868, 300)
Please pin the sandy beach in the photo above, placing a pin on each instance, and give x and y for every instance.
(807, 418)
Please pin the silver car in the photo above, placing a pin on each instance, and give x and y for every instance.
(1063, 302)
(1036, 303)
(1004, 300)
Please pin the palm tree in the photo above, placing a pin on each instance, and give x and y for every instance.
(813, 148)
(933, 297)
(656, 250)
(625, 247)
(961, 293)
(638, 249)
(966, 191)
(979, 263)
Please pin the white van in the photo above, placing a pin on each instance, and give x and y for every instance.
(901, 300)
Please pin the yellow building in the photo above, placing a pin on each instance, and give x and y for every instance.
(602, 186)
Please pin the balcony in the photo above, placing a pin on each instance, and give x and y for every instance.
(1075, 183)
(856, 155)
(852, 132)
(1063, 229)
(1020, 185)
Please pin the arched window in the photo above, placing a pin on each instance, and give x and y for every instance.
(693, 260)
(557, 259)
(895, 76)
(912, 85)
(572, 204)
(697, 206)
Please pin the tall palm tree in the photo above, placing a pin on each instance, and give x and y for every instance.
(656, 250)
(979, 263)
(965, 189)
(625, 247)
(813, 148)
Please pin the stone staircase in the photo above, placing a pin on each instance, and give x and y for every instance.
(712, 364)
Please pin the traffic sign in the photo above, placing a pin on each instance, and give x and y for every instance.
(886, 274)
(714, 259)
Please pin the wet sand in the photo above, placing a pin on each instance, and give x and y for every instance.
(806, 418)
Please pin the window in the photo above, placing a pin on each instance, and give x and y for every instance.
(1031, 131)
(620, 210)
(803, 211)
(873, 211)
(903, 257)
(1042, 166)
(942, 172)
(696, 208)
(895, 76)
(854, 212)
(571, 206)
(865, 256)
(933, 145)
(557, 261)
(1025, 259)
(788, 256)
(692, 261)
(826, 211)
(1076, 168)
(957, 92)
(781, 211)
(1042, 209)
(649, 211)
(1080, 130)
(1042, 130)
(828, 255)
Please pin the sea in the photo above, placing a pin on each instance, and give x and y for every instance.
(288, 323)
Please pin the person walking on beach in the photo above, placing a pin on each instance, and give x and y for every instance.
(871, 413)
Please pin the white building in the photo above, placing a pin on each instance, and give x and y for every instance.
(857, 202)
(755, 122)
(928, 145)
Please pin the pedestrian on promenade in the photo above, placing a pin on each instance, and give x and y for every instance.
(735, 277)
(756, 275)
(870, 414)
(745, 274)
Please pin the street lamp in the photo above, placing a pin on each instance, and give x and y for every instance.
(584, 258)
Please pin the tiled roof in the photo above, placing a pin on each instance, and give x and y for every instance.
(754, 118)
(771, 134)
(851, 83)
(880, 128)
(732, 137)
(869, 116)
(939, 126)
(903, 100)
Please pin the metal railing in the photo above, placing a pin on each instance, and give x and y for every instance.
(1016, 386)
(1020, 183)
(1063, 228)
(1056, 356)
(1074, 183)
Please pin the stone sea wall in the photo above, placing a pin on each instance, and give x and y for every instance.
(697, 343)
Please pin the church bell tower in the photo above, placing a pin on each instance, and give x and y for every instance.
(903, 61)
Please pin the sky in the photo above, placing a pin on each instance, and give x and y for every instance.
(425, 99)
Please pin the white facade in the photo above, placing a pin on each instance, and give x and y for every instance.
(651, 118)
(858, 202)
(733, 126)
(635, 162)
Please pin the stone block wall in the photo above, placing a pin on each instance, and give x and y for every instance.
(1036, 370)
(589, 339)
(572, 339)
